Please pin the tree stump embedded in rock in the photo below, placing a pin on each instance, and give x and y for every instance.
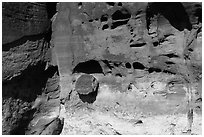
(87, 86)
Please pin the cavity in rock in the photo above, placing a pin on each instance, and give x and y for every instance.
(88, 67)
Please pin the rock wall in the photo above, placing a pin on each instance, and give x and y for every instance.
(151, 47)
(28, 72)
(127, 38)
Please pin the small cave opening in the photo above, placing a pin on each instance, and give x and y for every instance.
(120, 4)
(152, 69)
(105, 26)
(128, 65)
(156, 43)
(138, 65)
(104, 18)
(121, 14)
(169, 63)
(174, 12)
(88, 67)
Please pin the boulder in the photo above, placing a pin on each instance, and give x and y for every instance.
(86, 84)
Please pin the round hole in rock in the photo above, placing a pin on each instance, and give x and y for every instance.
(104, 18)
(138, 65)
(128, 65)
(88, 67)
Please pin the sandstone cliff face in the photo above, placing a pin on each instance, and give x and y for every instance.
(22, 19)
(148, 36)
(28, 73)
(143, 52)
(151, 46)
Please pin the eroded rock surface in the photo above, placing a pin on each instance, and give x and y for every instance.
(30, 79)
(109, 61)
(152, 49)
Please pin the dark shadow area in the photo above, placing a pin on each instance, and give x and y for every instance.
(110, 3)
(170, 63)
(151, 70)
(174, 12)
(27, 85)
(118, 23)
(49, 73)
(121, 14)
(16, 43)
(60, 127)
(137, 45)
(128, 65)
(104, 17)
(105, 26)
(171, 55)
(198, 13)
(51, 9)
(138, 65)
(89, 98)
(88, 67)
(24, 122)
(155, 44)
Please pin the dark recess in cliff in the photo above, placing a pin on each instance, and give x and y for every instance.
(121, 14)
(51, 9)
(26, 87)
(20, 91)
(88, 67)
(138, 65)
(174, 12)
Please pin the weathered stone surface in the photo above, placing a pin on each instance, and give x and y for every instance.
(86, 84)
(23, 19)
(157, 35)
(47, 105)
(23, 54)
(156, 39)
(146, 44)
(30, 83)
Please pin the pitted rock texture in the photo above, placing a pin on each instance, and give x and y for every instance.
(152, 37)
(149, 51)
(143, 55)
(30, 85)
